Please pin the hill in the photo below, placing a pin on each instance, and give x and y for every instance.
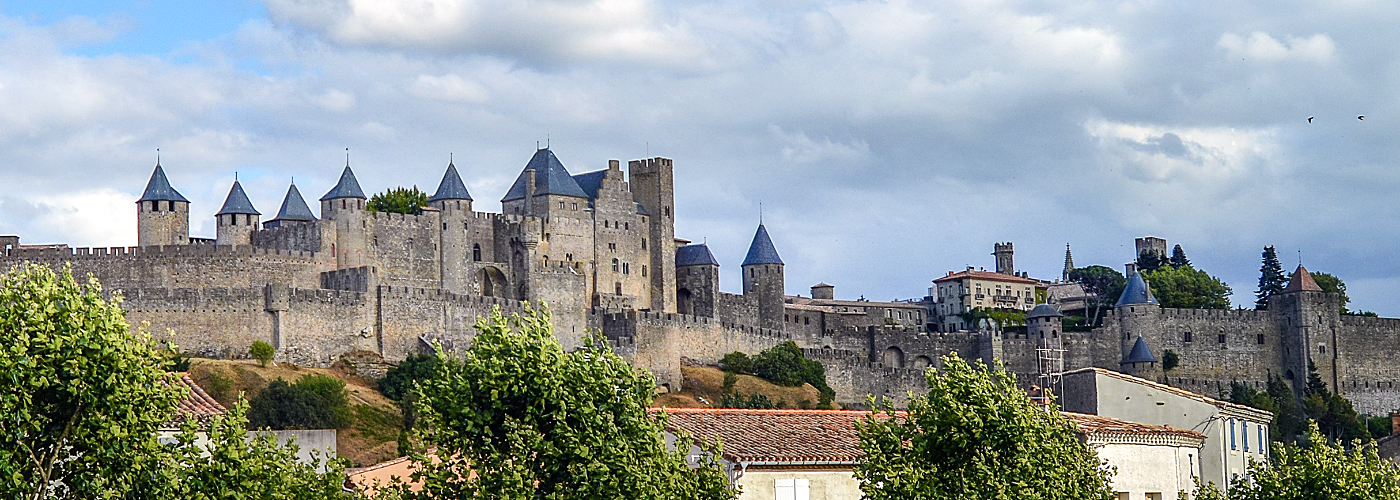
(707, 382)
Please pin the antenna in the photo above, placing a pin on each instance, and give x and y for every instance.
(760, 213)
(157, 157)
(347, 157)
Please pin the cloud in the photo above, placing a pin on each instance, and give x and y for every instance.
(94, 218)
(800, 149)
(1260, 46)
(451, 88)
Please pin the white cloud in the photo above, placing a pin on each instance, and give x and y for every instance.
(93, 218)
(336, 100)
(451, 88)
(800, 149)
(1261, 46)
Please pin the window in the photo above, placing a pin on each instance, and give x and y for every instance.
(569, 257)
(644, 271)
(791, 489)
(605, 223)
(1263, 441)
(1231, 424)
(172, 209)
(476, 252)
(626, 269)
(1220, 339)
(806, 321)
(1321, 349)
(1244, 434)
(615, 267)
(1187, 337)
(667, 211)
(1261, 339)
(575, 207)
(626, 226)
(618, 287)
(444, 226)
(1191, 464)
(612, 246)
(561, 205)
(644, 243)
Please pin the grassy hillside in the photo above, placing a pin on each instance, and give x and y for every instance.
(708, 382)
(371, 439)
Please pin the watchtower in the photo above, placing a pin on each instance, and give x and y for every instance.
(344, 206)
(454, 206)
(763, 279)
(652, 186)
(697, 280)
(162, 214)
(1310, 318)
(1005, 258)
(1139, 316)
(237, 220)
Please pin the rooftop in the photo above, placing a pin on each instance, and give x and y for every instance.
(348, 187)
(1136, 292)
(761, 250)
(237, 202)
(986, 275)
(550, 178)
(1092, 425)
(774, 437)
(294, 207)
(1302, 281)
(697, 254)
(1255, 412)
(158, 188)
(451, 187)
(198, 405)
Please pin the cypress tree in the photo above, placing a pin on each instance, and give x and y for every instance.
(1271, 279)
(1179, 258)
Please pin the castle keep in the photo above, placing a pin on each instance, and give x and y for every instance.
(600, 248)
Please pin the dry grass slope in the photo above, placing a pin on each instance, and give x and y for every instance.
(708, 382)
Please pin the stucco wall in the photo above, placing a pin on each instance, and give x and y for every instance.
(757, 484)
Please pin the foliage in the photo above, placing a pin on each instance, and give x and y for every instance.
(1378, 427)
(1332, 284)
(1188, 288)
(399, 200)
(975, 435)
(1170, 360)
(314, 402)
(532, 421)
(730, 378)
(1104, 285)
(783, 364)
(1271, 279)
(261, 351)
(755, 401)
(82, 398)
(736, 362)
(1178, 258)
(1151, 261)
(1288, 421)
(177, 362)
(398, 382)
(1332, 413)
(1320, 470)
(1002, 318)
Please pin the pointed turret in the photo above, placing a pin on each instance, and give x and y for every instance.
(1302, 281)
(1137, 292)
(348, 187)
(158, 188)
(1140, 353)
(451, 187)
(763, 279)
(550, 178)
(294, 210)
(761, 250)
(236, 221)
(1069, 264)
(162, 214)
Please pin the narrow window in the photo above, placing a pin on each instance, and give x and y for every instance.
(569, 257)
(626, 269)
(626, 226)
(342, 204)
(667, 210)
(1244, 434)
(1220, 339)
(615, 267)
(172, 209)
(561, 205)
(1187, 337)
(476, 252)
(806, 320)
(618, 287)
(644, 243)
(1261, 339)
(459, 204)
(1322, 349)
(644, 271)
(1231, 423)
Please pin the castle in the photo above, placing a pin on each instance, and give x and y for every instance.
(600, 248)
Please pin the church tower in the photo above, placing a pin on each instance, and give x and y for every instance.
(237, 220)
(162, 214)
(454, 206)
(763, 279)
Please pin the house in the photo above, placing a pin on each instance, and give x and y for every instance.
(1235, 435)
(964, 291)
(199, 405)
(1152, 462)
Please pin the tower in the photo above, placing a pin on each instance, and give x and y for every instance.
(1310, 318)
(1005, 262)
(544, 189)
(763, 279)
(1139, 319)
(1069, 264)
(162, 214)
(237, 220)
(454, 206)
(652, 186)
(294, 210)
(344, 206)
(1044, 324)
(697, 280)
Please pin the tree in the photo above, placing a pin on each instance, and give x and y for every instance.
(314, 402)
(1288, 420)
(261, 351)
(398, 381)
(1170, 360)
(1151, 261)
(736, 362)
(532, 421)
(1320, 470)
(1188, 288)
(975, 435)
(82, 398)
(783, 364)
(1179, 257)
(1333, 414)
(1332, 284)
(399, 200)
(1271, 279)
(1104, 285)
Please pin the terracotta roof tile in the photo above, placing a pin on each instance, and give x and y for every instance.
(782, 436)
(1095, 424)
(1302, 281)
(199, 404)
(987, 275)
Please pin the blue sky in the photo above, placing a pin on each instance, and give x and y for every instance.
(889, 141)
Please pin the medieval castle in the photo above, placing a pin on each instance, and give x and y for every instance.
(600, 249)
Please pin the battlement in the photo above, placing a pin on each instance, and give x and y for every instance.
(165, 251)
(388, 292)
(406, 219)
(1367, 321)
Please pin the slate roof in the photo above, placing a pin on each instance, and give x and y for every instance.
(761, 251)
(550, 178)
(1302, 281)
(590, 182)
(158, 188)
(198, 405)
(294, 207)
(775, 437)
(1137, 292)
(694, 255)
(1140, 353)
(987, 275)
(237, 202)
(451, 187)
(1043, 311)
(1099, 425)
(348, 187)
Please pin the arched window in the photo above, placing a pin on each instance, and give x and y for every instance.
(615, 267)
(476, 252)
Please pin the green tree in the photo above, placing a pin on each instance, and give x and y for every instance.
(398, 382)
(1288, 420)
(1179, 257)
(1170, 360)
(736, 362)
(1320, 470)
(1332, 284)
(261, 351)
(784, 364)
(1188, 288)
(399, 200)
(1103, 283)
(1271, 279)
(314, 402)
(82, 398)
(975, 435)
(532, 421)
(1151, 261)
(1333, 413)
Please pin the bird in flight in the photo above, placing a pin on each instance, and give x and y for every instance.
(1361, 117)
(1310, 119)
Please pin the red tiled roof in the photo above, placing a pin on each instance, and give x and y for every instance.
(783, 436)
(1302, 281)
(986, 275)
(1095, 424)
(198, 404)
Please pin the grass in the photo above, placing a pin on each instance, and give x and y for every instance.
(708, 382)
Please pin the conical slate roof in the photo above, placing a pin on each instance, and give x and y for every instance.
(348, 187)
(1043, 311)
(1137, 292)
(158, 188)
(695, 255)
(451, 187)
(1302, 281)
(294, 207)
(550, 178)
(1140, 353)
(761, 251)
(237, 202)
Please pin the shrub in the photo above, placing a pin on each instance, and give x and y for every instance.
(736, 362)
(398, 382)
(314, 402)
(399, 200)
(220, 386)
(1170, 360)
(730, 378)
(261, 351)
(755, 401)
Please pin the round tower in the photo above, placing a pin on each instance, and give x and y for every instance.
(344, 206)
(1044, 323)
(237, 220)
(697, 280)
(162, 214)
(454, 206)
(1139, 320)
(763, 280)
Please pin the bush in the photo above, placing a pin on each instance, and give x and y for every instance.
(1170, 360)
(398, 382)
(755, 401)
(314, 402)
(736, 362)
(783, 364)
(399, 200)
(261, 351)
(730, 378)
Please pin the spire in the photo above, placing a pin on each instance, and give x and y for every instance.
(1137, 292)
(451, 187)
(237, 202)
(348, 187)
(294, 207)
(761, 251)
(1069, 263)
(1140, 353)
(158, 188)
(1302, 281)
(550, 178)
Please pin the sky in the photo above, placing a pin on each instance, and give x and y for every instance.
(888, 142)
